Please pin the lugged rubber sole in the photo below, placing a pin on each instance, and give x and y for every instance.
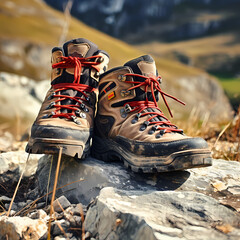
(51, 146)
(108, 150)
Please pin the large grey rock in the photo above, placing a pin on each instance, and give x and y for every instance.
(20, 97)
(207, 97)
(32, 59)
(14, 162)
(22, 228)
(221, 181)
(155, 215)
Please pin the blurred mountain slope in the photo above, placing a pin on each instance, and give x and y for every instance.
(30, 28)
(216, 53)
(140, 20)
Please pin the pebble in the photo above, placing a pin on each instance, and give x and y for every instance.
(55, 230)
(41, 214)
(61, 203)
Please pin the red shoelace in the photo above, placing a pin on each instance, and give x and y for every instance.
(153, 83)
(76, 63)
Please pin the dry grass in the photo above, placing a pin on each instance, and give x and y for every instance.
(222, 43)
(223, 139)
(54, 191)
(16, 189)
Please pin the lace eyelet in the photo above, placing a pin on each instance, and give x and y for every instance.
(134, 120)
(122, 78)
(142, 128)
(162, 131)
(77, 112)
(51, 96)
(45, 116)
(146, 123)
(50, 105)
(158, 136)
(82, 115)
(125, 93)
(74, 118)
(97, 75)
(100, 59)
(138, 115)
(151, 132)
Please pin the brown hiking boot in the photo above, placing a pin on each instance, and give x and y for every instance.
(66, 117)
(130, 127)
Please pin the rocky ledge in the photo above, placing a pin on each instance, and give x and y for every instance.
(116, 203)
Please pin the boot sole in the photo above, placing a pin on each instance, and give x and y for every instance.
(51, 146)
(108, 150)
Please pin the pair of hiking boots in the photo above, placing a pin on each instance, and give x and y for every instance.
(116, 109)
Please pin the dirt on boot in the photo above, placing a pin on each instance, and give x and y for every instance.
(66, 117)
(130, 127)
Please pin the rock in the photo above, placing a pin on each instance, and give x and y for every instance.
(27, 99)
(15, 162)
(59, 238)
(209, 98)
(22, 228)
(61, 203)
(40, 89)
(23, 105)
(97, 175)
(120, 214)
(26, 57)
(38, 214)
(6, 141)
(72, 215)
(56, 230)
(5, 199)
(14, 206)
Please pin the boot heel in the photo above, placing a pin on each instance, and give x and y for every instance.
(102, 149)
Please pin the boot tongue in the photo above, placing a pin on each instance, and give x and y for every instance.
(144, 65)
(79, 48)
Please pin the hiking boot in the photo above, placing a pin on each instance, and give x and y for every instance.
(130, 127)
(66, 117)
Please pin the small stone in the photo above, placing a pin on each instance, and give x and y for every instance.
(226, 228)
(73, 238)
(14, 206)
(21, 204)
(55, 230)
(219, 186)
(41, 205)
(61, 203)
(59, 238)
(38, 214)
(5, 199)
(12, 213)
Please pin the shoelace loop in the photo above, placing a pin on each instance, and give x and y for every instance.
(154, 84)
(77, 102)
